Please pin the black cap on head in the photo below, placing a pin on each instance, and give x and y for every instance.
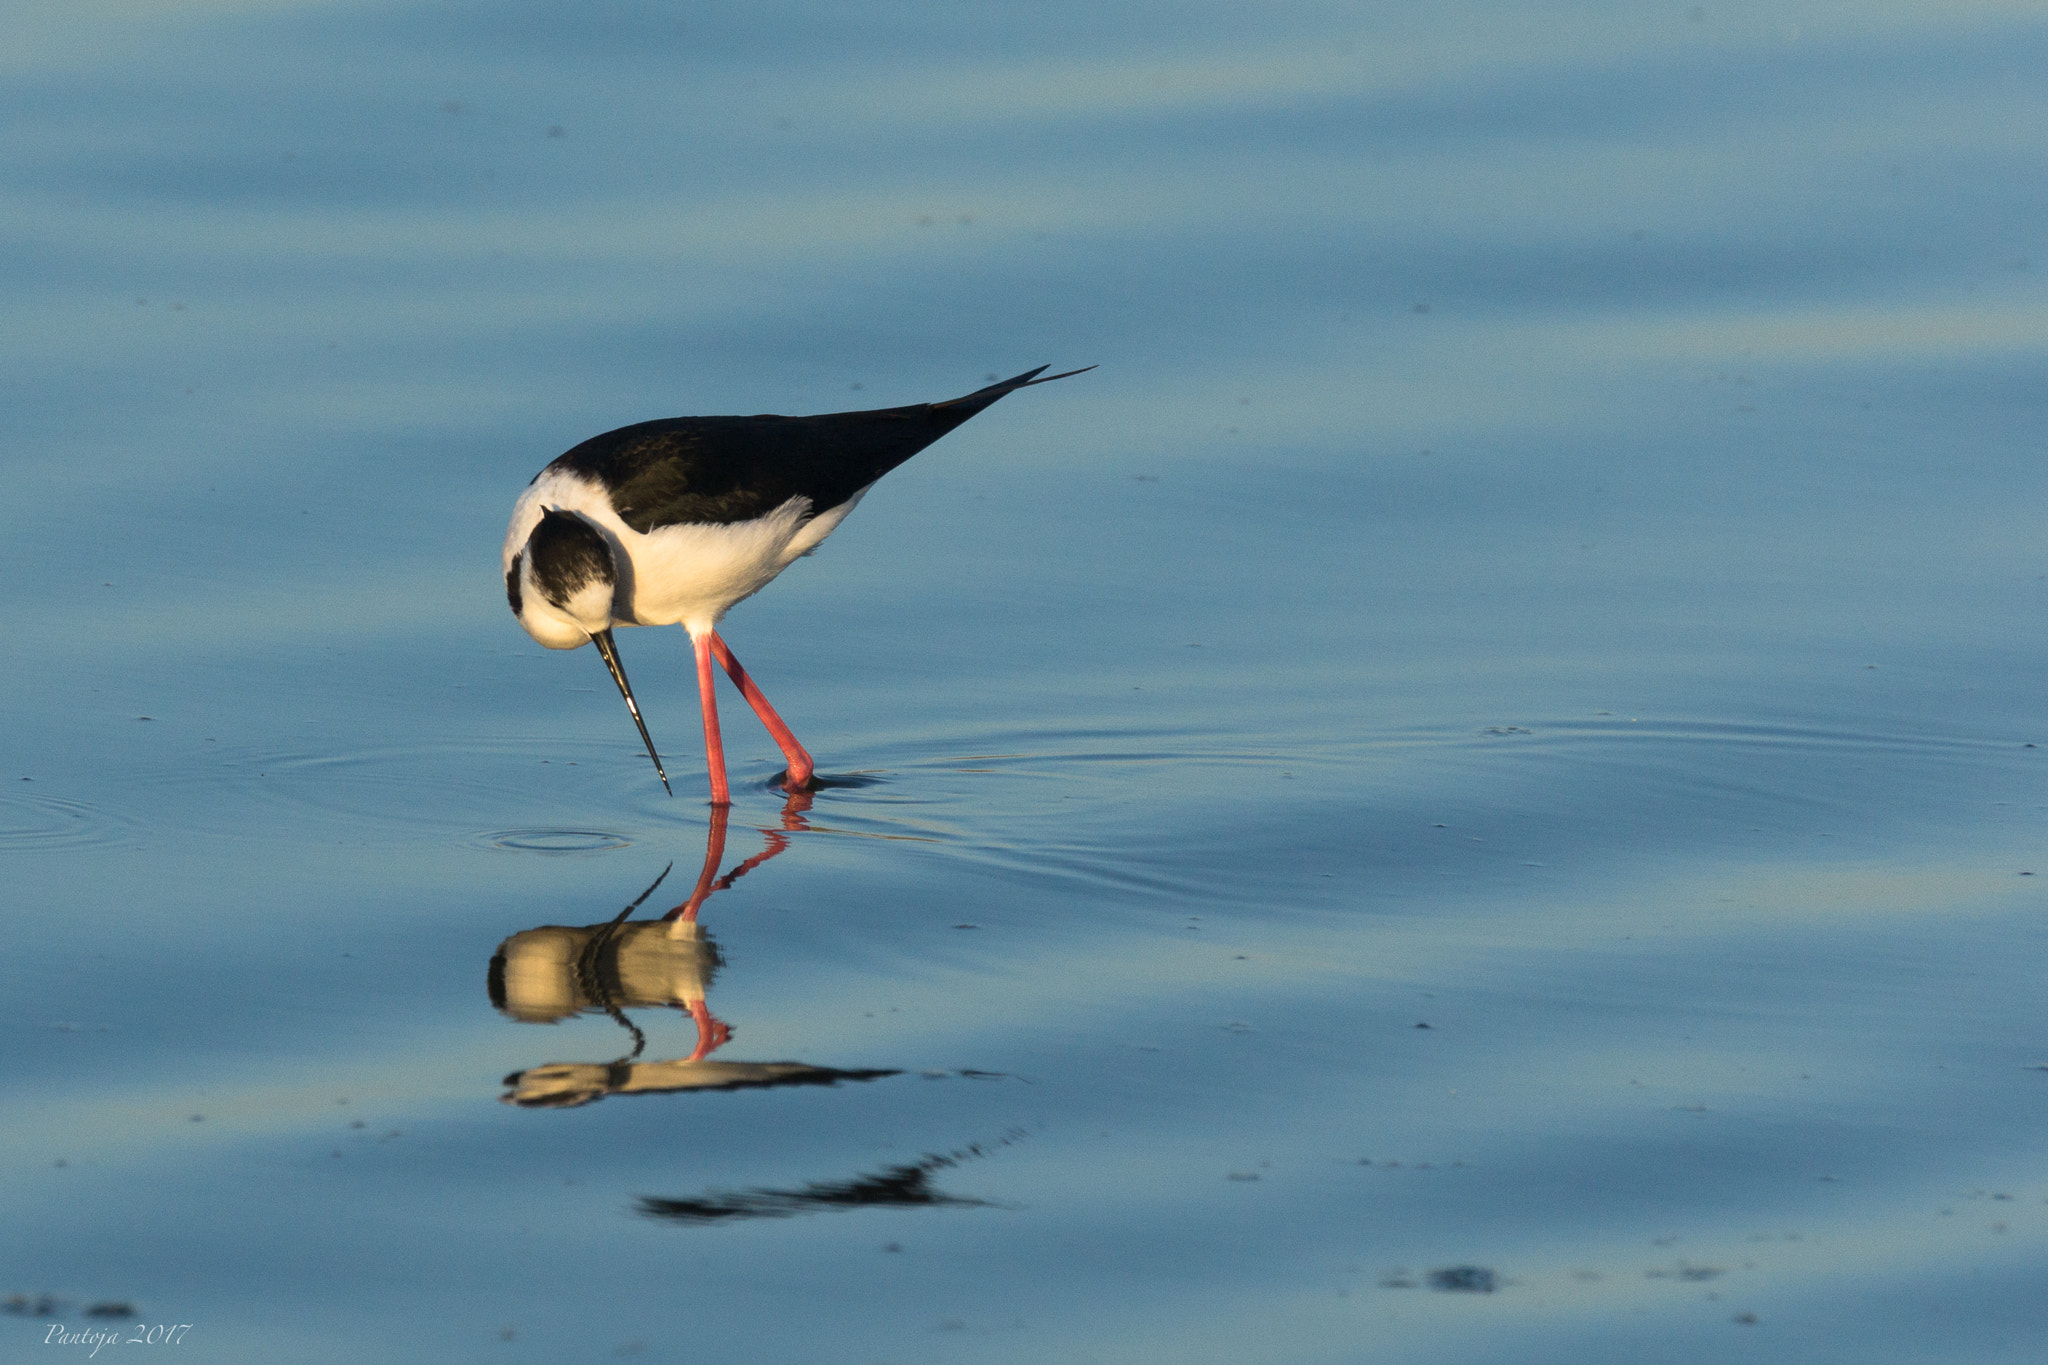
(567, 555)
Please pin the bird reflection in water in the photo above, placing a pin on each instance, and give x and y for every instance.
(555, 972)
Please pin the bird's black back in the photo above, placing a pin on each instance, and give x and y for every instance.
(727, 469)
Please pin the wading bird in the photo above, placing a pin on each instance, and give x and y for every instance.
(674, 521)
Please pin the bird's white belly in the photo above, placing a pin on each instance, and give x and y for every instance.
(694, 574)
(691, 573)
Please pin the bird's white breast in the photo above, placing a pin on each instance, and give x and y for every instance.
(691, 573)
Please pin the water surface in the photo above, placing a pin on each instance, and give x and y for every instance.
(1470, 795)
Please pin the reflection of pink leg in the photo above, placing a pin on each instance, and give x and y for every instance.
(777, 842)
(712, 1034)
(707, 698)
(800, 766)
(796, 805)
(714, 854)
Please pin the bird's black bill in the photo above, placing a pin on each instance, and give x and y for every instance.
(603, 641)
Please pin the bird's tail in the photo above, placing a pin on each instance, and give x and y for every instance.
(981, 398)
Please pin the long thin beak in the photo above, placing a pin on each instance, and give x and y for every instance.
(603, 640)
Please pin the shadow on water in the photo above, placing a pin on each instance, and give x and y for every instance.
(554, 972)
(905, 1186)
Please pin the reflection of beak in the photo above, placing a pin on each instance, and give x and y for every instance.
(603, 640)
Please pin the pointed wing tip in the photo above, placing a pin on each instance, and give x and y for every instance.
(1011, 385)
(1069, 374)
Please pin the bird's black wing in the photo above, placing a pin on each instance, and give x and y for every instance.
(729, 469)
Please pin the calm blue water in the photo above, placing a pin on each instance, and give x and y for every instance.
(1552, 554)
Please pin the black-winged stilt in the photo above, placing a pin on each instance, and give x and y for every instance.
(674, 521)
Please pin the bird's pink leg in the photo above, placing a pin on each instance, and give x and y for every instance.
(800, 765)
(707, 698)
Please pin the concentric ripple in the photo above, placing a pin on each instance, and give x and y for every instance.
(553, 841)
(32, 822)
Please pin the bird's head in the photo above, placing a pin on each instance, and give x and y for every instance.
(562, 581)
(561, 585)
